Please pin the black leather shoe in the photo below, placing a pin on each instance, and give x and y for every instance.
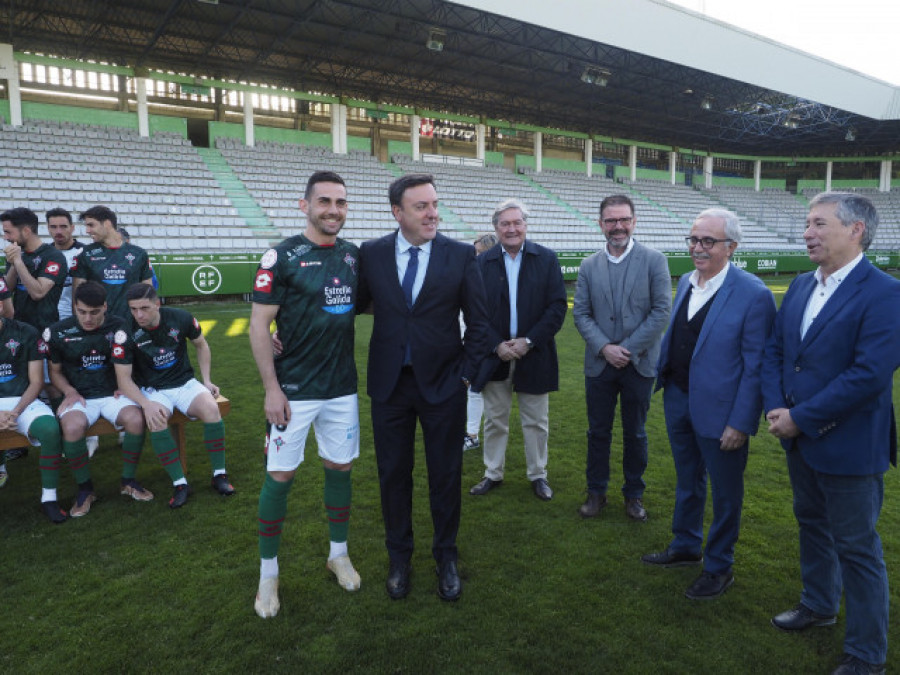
(852, 665)
(709, 586)
(592, 506)
(397, 584)
(669, 558)
(800, 618)
(484, 486)
(449, 585)
(542, 489)
(634, 509)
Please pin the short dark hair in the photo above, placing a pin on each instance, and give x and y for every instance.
(616, 200)
(21, 217)
(53, 213)
(140, 291)
(90, 293)
(100, 213)
(404, 183)
(322, 177)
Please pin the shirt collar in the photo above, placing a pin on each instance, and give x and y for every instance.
(403, 246)
(613, 259)
(839, 275)
(713, 284)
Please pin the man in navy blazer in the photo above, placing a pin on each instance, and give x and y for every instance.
(827, 380)
(709, 367)
(526, 299)
(418, 281)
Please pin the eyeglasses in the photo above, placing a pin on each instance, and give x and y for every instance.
(612, 222)
(706, 243)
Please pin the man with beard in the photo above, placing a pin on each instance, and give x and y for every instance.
(622, 302)
(307, 286)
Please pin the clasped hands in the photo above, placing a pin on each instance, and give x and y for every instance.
(510, 350)
(781, 424)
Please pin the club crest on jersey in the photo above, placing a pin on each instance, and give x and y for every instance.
(350, 261)
(174, 333)
(269, 258)
(130, 258)
(36, 262)
(120, 337)
(52, 268)
(13, 346)
(263, 282)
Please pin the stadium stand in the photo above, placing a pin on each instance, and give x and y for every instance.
(888, 206)
(158, 186)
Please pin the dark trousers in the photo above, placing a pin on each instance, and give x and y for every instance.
(696, 456)
(394, 428)
(602, 393)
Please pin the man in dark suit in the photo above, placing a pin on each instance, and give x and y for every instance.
(526, 300)
(709, 369)
(419, 368)
(827, 378)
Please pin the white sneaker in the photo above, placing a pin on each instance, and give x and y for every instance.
(347, 577)
(92, 442)
(267, 604)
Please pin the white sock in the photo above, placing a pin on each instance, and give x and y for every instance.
(218, 471)
(268, 567)
(48, 495)
(337, 550)
(180, 481)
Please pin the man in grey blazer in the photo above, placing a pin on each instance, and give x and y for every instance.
(622, 304)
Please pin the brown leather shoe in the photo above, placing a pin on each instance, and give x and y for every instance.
(592, 506)
(634, 509)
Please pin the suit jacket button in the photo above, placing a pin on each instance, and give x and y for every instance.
(796, 369)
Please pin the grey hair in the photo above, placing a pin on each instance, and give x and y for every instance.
(507, 204)
(732, 222)
(486, 241)
(851, 208)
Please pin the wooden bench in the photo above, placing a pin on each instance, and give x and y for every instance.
(13, 439)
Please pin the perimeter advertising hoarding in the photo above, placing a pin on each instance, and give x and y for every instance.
(232, 274)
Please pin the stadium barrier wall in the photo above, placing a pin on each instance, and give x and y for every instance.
(208, 275)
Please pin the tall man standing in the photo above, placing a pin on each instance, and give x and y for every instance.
(622, 302)
(709, 369)
(419, 369)
(113, 262)
(827, 379)
(526, 300)
(307, 285)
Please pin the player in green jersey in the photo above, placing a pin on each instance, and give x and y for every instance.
(81, 368)
(307, 286)
(154, 369)
(110, 260)
(35, 271)
(21, 379)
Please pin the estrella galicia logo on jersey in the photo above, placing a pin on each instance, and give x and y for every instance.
(174, 333)
(6, 372)
(350, 261)
(263, 282)
(52, 268)
(93, 361)
(338, 297)
(130, 258)
(114, 275)
(118, 352)
(13, 345)
(164, 359)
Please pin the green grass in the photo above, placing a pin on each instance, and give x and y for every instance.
(136, 587)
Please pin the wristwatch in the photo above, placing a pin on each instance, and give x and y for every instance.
(529, 343)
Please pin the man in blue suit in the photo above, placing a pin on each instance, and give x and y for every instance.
(419, 368)
(827, 378)
(709, 368)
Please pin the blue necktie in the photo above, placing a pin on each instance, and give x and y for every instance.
(410, 277)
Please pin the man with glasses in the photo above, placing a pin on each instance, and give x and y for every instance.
(622, 302)
(709, 371)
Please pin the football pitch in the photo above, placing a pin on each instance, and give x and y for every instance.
(139, 588)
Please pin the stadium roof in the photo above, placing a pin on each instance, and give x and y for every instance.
(459, 58)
